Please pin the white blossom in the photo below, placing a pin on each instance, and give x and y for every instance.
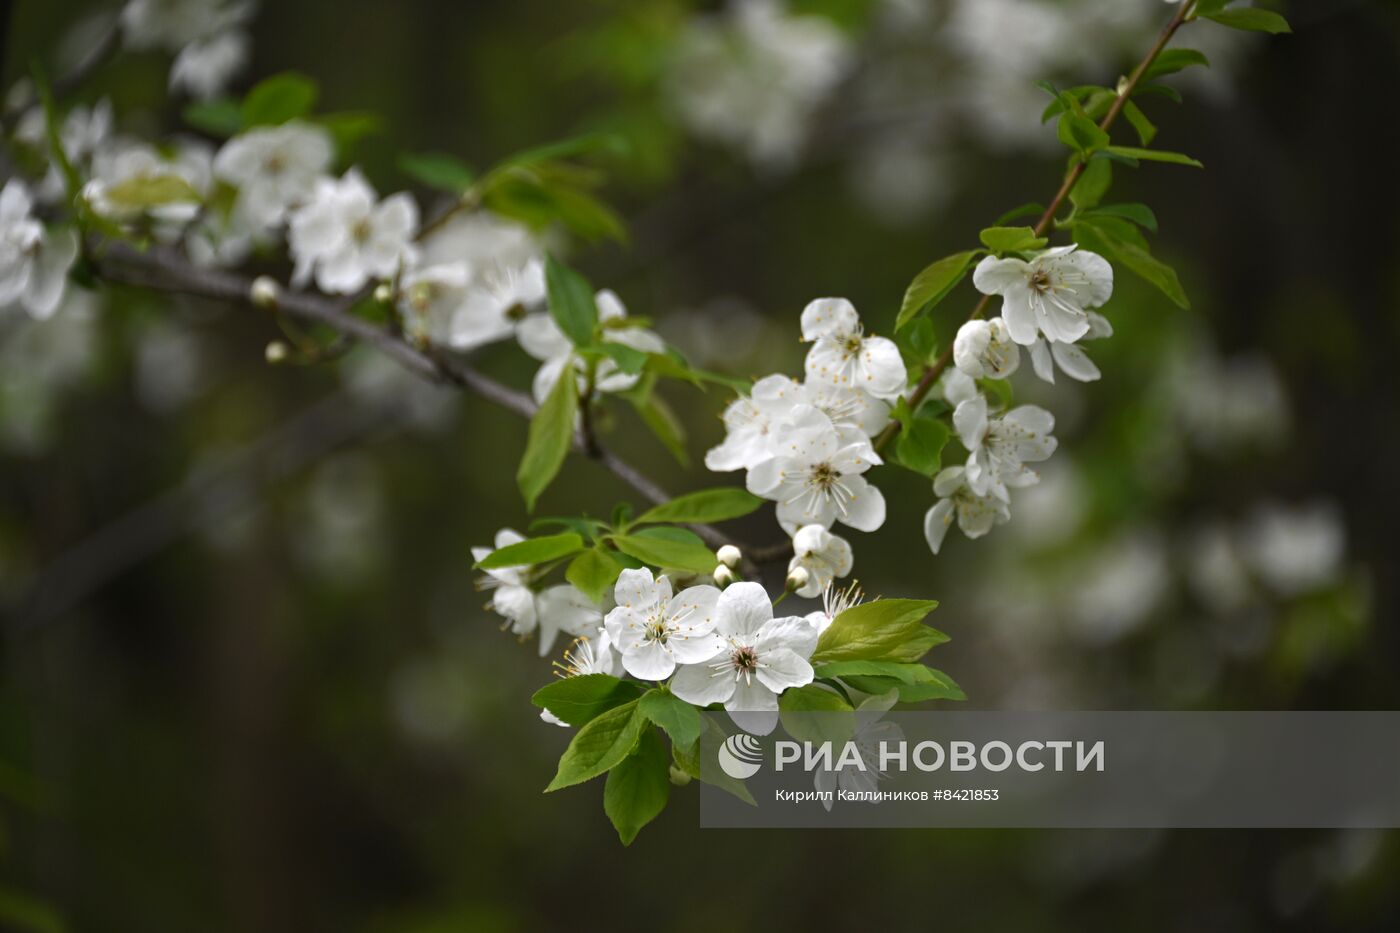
(84, 132)
(1296, 549)
(655, 631)
(985, 350)
(555, 609)
(816, 479)
(205, 67)
(275, 169)
(173, 24)
(975, 514)
(346, 236)
(823, 555)
(843, 356)
(34, 263)
(1049, 294)
(753, 78)
(1071, 360)
(835, 600)
(497, 304)
(1000, 447)
(759, 658)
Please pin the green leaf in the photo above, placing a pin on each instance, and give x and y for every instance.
(1093, 184)
(599, 746)
(920, 444)
(1011, 239)
(437, 170)
(707, 505)
(1081, 134)
(638, 788)
(1153, 155)
(1251, 19)
(594, 572)
(665, 553)
(571, 302)
(1120, 241)
(918, 645)
(1139, 214)
(917, 344)
(221, 117)
(551, 436)
(348, 127)
(143, 192)
(532, 551)
(661, 420)
(915, 682)
(874, 631)
(1144, 128)
(933, 284)
(679, 719)
(579, 700)
(629, 360)
(279, 98)
(1032, 209)
(1171, 61)
(687, 758)
(825, 726)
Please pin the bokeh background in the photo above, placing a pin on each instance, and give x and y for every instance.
(259, 691)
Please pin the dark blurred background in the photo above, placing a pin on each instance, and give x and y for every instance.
(264, 695)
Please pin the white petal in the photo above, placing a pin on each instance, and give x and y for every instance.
(1041, 362)
(783, 668)
(635, 589)
(1075, 362)
(995, 276)
(970, 420)
(881, 372)
(795, 633)
(648, 660)
(702, 684)
(743, 609)
(936, 522)
(828, 316)
(866, 509)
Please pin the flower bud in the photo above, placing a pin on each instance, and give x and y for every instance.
(264, 292)
(679, 777)
(724, 576)
(797, 578)
(276, 352)
(729, 556)
(383, 293)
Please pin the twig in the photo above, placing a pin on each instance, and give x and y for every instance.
(164, 269)
(1125, 92)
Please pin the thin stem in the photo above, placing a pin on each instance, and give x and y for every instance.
(1125, 92)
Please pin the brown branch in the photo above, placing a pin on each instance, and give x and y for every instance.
(1125, 92)
(166, 270)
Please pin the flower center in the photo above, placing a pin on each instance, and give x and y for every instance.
(655, 630)
(1040, 281)
(274, 164)
(851, 344)
(361, 230)
(824, 476)
(744, 659)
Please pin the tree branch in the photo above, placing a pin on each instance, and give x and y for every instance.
(1125, 92)
(164, 269)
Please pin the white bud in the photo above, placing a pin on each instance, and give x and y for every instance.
(679, 777)
(729, 556)
(384, 293)
(724, 576)
(264, 292)
(797, 578)
(276, 352)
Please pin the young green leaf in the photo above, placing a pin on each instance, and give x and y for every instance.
(1031, 209)
(571, 302)
(1153, 155)
(437, 170)
(1011, 239)
(915, 682)
(707, 505)
(1120, 241)
(679, 719)
(599, 746)
(687, 758)
(629, 360)
(664, 553)
(663, 422)
(816, 714)
(1251, 19)
(1170, 61)
(594, 572)
(874, 631)
(532, 551)
(638, 788)
(1092, 185)
(1081, 134)
(551, 435)
(348, 127)
(1139, 214)
(219, 117)
(920, 444)
(579, 700)
(278, 99)
(1144, 127)
(933, 284)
